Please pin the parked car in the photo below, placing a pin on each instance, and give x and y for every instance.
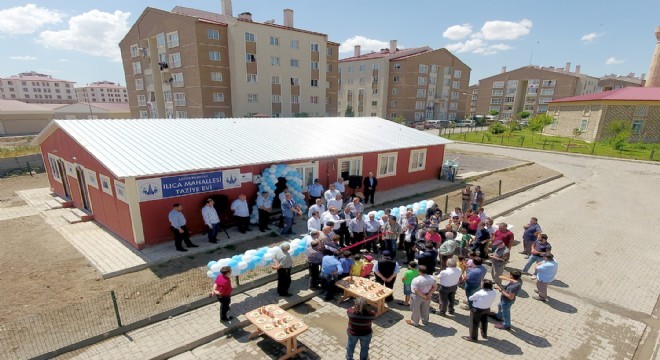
(464, 123)
(437, 124)
(422, 126)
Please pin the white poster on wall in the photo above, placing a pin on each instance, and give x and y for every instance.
(120, 190)
(246, 178)
(90, 178)
(70, 169)
(105, 184)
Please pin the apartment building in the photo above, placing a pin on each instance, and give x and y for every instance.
(102, 91)
(35, 88)
(530, 88)
(416, 83)
(471, 105)
(616, 82)
(194, 63)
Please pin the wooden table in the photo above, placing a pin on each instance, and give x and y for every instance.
(373, 292)
(280, 326)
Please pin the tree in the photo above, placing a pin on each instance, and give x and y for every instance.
(349, 111)
(523, 115)
(577, 132)
(513, 126)
(539, 122)
(617, 134)
(494, 112)
(399, 119)
(301, 114)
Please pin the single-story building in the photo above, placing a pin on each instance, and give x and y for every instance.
(89, 110)
(20, 118)
(129, 173)
(592, 113)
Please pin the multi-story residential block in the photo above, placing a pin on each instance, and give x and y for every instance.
(35, 88)
(102, 91)
(193, 63)
(471, 106)
(416, 83)
(616, 82)
(530, 88)
(587, 117)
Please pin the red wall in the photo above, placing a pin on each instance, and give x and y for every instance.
(108, 211)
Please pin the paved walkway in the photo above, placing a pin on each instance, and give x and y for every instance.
(174, 336)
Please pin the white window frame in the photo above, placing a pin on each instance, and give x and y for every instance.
(252, 98)
(640, 126)
(251, 78)
(295, 44)
(314, 47)
(179, 99)
(137, 68)
(181, 114)
(275, 60)
(277, 99)
(275, 80)
(275, 41)
(139, 84)
(250, 37)
(213, 34)
(177, 82)
(216, 76)
(175, 60)
(142, 100)
(417, 160)
(387, 157)
(354, 166)
(302, 169)
(160, 40)
(54, 169)
(457, 74)
(315, 65)
(294, 63)
(144, 114)
(218, 97)
(172, 39)
(213, 57)
(135, 52)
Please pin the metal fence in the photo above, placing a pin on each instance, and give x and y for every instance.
(113, 313)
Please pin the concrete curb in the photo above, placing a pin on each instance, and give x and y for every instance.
(508, 211)
(560, 153)
(488, 173)
(522, 189)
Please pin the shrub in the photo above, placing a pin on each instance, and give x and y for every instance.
(497, 128)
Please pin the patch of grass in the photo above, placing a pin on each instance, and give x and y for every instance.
(14, 151)
(526, 139)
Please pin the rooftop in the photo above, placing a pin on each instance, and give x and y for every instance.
(34, 76)
(15, 106)
(625, 94)
(150, 147)
(386, 53)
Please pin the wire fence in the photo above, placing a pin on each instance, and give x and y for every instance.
(34, 336)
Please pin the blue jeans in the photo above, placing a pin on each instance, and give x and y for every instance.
(469, 291)
(532, 259)
(390, 244)
(364, 346)
(288, 223)
(213, 232)
(504, 312)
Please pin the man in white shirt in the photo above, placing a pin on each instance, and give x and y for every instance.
(318, 206)
(241, 213)
(212, 220)
(482, 300)
(423, 286)
(448, 279)
(314, 223)
(355, 206)
(339, 185)
(331, 215)
(337, 202)
(331, 193)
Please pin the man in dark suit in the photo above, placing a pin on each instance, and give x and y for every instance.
(370, 183)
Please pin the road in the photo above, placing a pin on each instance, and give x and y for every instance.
(603, 232)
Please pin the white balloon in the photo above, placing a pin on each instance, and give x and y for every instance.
(247, 258)
(429, 203)
(251, 252)
(402, 210)
(209, 274)
(216, 267)
(268, 257)
(224, 262)
(242, 265)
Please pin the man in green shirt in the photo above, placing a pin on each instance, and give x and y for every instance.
(407, 279)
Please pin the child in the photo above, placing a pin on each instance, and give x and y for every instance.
(346, 264)
(407, 279)
(356, 269)
(367, 267)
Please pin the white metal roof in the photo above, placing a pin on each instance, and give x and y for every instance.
(144, 147)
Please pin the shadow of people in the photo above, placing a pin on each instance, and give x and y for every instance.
(435, 329)
(503, 346)
(561, 306)
(559, 283)
(522, 294)
(530, 339)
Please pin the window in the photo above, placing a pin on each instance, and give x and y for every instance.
(549, 92)
(453, 106)
(374, 79)
(177, 79)
(397, 66)
(275, 114)
(294, 62)
(496, 101)
(510, 99)
(218, 97)
(275, 80)
(134, 51)
(451, 116)
(375, 66)
(137, 69)
(160, 40)
(454, 95)
(213, 34)
(314, 83)
(350, 68)
(544, 100)
(395, 91)
(275, 61)
(295, 99)
(387, 164)
(314, 47)
(275, 41)
(314, 99)
(417, 160)
(497, 92)
(393, 103)
(295, 81)
(144, 114)
(181, 115)
(532, 91)
(295, 44)
(363, 80)
(251, 78)
(142, 100)
(328, 52)
(583, 125)
(419, 105)
(423, 69)
(498, 84)
(253, 98)
(456, 84)
(396, 78)
(167, 95)
(249, 37)
(216, 76)
(277, 99)
(549, 83)
(457, 74)
(374, 91)
(637, 126)
(308, 172)
(328, 68)
(350, 167)
(173, 39)
(315, 64)
(139, 84)
(219, 115)
(421, 81)
(214, 56)
(175, 60)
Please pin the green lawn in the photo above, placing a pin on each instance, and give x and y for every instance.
(7, 152)
(524, 138)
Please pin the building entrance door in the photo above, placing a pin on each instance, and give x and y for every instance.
(84, 194)
(65, 178)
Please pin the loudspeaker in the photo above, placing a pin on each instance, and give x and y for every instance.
(354, 181)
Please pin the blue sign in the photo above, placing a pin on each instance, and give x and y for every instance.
(191, 184)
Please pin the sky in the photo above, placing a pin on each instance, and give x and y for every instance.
(77, 40)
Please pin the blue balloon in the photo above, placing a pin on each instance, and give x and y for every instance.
(238, 258)
(232, 263)
(250, 266)
(211, 263)
(378, 216)
(262, 250)
(256, 260)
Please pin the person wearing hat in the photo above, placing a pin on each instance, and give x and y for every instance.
(315, 191)
(386, 270)
(265, 206)
(498, 258)
(507, 299)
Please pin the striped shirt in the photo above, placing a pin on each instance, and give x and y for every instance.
(359, 324)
